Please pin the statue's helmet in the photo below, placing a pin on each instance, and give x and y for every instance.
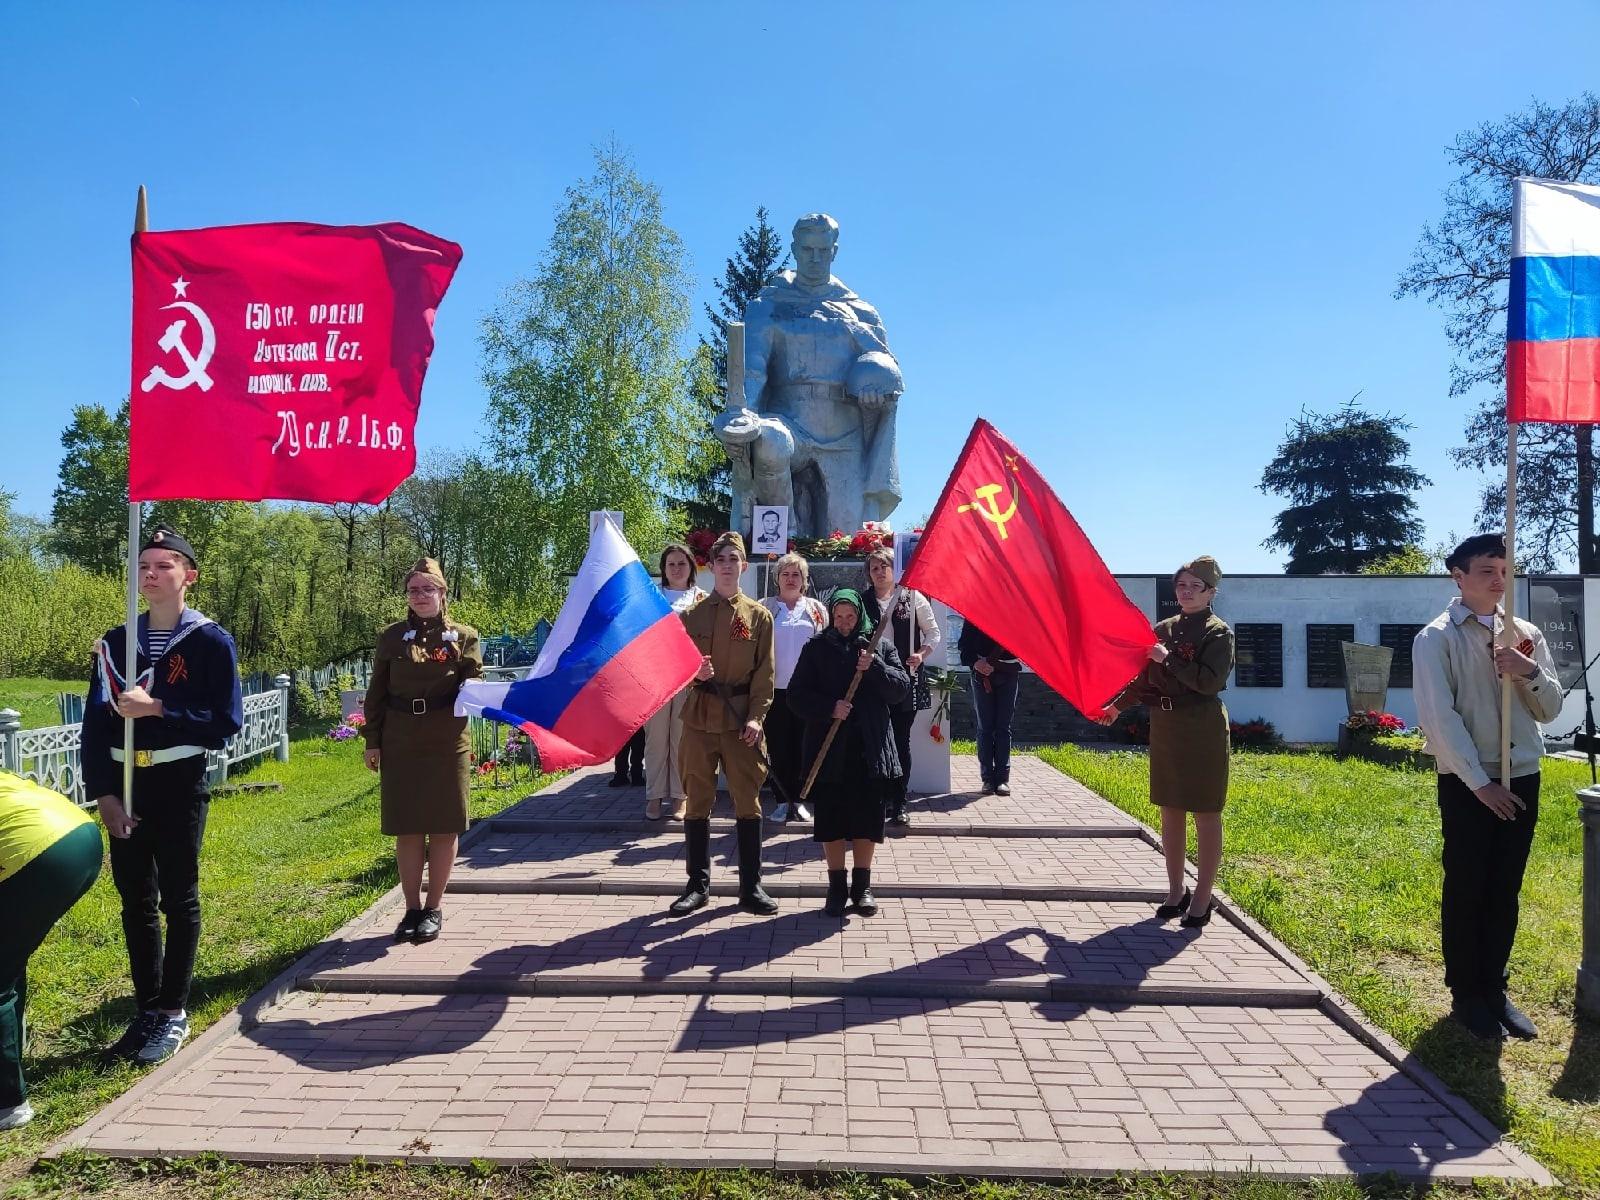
(875, 371)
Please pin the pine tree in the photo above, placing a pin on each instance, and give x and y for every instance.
(1349, 487)
(756, 263)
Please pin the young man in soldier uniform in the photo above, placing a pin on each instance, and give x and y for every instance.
(184, 700)
(722, 726)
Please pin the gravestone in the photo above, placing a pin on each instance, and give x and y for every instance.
(1366, 676)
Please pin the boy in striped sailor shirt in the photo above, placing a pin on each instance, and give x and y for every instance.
(184, 701)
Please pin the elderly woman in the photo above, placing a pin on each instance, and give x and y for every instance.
(417, 744)
(916, 636)
(1188, 668)
(663, 769)
(796, 619)
(858, 777)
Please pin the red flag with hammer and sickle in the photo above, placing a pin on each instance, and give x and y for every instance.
(1006, 554)
(281, 361)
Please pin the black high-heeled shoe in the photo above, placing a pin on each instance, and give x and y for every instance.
(1165, 912)
(1190, 921)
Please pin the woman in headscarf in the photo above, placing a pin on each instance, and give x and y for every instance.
(858, 777)
(417, 744)
(1189, 744)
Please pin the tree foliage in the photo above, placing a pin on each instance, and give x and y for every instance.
(1462, 264)
(1349, 491)
(588, 403)
(89, 513)
(760, 256)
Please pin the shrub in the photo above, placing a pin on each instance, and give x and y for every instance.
(1257, 733)
(1133, 726)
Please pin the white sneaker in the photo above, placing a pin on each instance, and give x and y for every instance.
(802, 814)
(780, 814)
(166, 1040)
(16, 1118)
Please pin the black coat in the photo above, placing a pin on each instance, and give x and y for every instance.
(823, 674)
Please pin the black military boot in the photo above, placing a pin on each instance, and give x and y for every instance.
(838, 894)
(697, 854)
(861, 892)
(752, 896)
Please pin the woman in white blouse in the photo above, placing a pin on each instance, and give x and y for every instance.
(663, 773)
(796, 619)
(916, 636)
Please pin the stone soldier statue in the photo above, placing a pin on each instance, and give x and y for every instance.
(822, 386)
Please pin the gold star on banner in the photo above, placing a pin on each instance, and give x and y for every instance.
(180, 286)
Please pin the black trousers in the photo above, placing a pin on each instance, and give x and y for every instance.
(157, 872)
(630, 759)
(901, 722)
(785, 737)
(1484, 858)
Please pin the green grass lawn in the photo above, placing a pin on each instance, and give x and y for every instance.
(35, 699)
(1341, 861)
(280, 871)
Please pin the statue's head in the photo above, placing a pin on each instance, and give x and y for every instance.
(816, 241)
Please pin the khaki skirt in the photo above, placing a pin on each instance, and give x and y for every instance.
(1189, 753)
(424, 773)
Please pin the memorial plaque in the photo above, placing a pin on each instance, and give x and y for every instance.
(1324, 659)
(1556, 607)
(1258, 656)
(1398, 638)
(1166, 599)
(1366, 676)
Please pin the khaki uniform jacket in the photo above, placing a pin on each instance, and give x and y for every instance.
(737, 634)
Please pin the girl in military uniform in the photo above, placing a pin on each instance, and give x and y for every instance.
(418, 745)
(1189, 743)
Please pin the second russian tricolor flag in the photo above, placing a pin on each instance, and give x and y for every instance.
(1553, 313)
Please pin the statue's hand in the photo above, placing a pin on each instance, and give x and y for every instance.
(872, 400)
(737, 426)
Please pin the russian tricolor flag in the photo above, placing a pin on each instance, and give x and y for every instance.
(1553, 315)
(616, 655)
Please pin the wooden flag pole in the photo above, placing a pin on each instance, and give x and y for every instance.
(130, 640)
(850, 692)
(1508, 634)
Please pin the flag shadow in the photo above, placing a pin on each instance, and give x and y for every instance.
(888, 995)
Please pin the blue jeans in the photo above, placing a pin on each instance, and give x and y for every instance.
(994, 707)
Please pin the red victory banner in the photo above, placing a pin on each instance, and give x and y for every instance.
(1003, 552)
(281, 361)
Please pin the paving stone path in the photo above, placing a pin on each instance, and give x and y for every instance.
(1015, 1009)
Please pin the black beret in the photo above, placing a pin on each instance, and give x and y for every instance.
(164, 537)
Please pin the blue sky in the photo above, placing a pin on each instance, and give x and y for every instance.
(1137, 238)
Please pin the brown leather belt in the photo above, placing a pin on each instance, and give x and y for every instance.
(1168, 703)
(709, 687)
(420, 706)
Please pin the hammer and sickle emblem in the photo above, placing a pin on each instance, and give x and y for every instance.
(194, 364)
(987, 507)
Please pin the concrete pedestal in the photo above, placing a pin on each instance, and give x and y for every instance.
(1589, 967)
(930, 760)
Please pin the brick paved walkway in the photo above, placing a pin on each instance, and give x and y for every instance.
(1014, 1009)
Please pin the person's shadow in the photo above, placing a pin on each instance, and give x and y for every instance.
(1376, 1131)
(934, 985)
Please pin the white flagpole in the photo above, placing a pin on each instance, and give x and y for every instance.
(1508, 633)
(130, 657)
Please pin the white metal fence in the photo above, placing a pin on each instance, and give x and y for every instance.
(51, 756)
